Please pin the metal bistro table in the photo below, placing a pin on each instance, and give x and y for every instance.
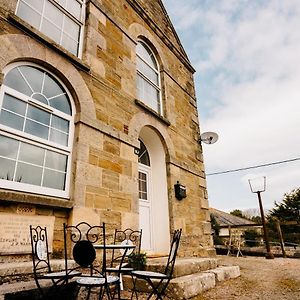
(126, 247)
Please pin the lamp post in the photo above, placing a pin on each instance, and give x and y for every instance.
(258, 185)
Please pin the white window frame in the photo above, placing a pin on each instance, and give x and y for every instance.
(159, 109)
(36, 141)
(79, 22)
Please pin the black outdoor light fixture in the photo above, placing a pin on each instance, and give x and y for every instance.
(258, 185)
(180, 191)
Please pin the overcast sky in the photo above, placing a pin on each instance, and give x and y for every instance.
(247, 60)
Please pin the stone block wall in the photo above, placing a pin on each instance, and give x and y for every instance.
(108, 121)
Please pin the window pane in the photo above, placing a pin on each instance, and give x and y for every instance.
(61, 103)
(53, 179)
(58, 137)
(31, 154)
(34, 77)
(36, 129)
(63, 3)
(14, 80)
(71, 28)
(51, 30)
(7, 168)
(74, 8)
(151, 74)
(53, 14)
(38, 115)
(51, 88)
(41, 98)
(11, 120)
(28, 174)
(70, 44)
(56, 161)
(146, 54)
(36, 4)
(60, 124)
(13, 104)
(29, 15)
(8, 147)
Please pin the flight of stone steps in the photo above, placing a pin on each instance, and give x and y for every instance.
(192, 276)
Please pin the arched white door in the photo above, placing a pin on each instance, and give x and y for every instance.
(153, 196)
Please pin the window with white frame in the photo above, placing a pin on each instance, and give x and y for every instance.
(36, 132)
(61, 20)
(148, 79)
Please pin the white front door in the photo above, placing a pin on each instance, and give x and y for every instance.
(145, 207)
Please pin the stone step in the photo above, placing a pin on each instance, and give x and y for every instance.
(191, 285)
(20, 287)
(183, 266)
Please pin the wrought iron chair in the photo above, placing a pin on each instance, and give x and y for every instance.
(42, 267)
(79, 244)
(158, 282)
(126, 237)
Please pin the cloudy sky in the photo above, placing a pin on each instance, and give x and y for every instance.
(247, 57)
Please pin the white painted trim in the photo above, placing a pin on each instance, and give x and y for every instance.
(159, 191)
(147, 170)
(30, 139)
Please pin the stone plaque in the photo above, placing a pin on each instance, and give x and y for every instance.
(15, 235)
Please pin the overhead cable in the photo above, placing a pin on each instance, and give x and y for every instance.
(254, 167)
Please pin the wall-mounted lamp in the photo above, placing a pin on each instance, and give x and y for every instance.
(180, 191)
(208, 137)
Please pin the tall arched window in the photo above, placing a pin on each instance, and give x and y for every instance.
(36, 132)
(148, 79)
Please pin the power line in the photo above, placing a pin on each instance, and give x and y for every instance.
(254, 167)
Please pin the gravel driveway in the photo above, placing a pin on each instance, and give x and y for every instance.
(277, 279)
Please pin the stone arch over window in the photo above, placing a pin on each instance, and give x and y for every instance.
(23, 48)
(37, 126)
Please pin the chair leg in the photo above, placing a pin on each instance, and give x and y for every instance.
(155, 289)
(133, 288)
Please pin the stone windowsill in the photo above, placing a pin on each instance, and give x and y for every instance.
(49, 42)
(27, 198)
(152, 112)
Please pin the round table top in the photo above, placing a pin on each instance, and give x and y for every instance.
(114, 246)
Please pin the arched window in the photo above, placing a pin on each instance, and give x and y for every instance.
(143, 155)
(36, 132)
(148, 79)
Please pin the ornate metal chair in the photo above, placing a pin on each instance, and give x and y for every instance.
(158, 282)
(79, 245)
(124, 237)
(42, 267)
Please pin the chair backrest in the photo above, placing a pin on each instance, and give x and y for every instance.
(79, 243)
(173, 253)
(39, 249)
(129, 237)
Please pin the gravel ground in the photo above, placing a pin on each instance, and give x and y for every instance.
(263, 279)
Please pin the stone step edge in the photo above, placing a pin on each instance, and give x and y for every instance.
(11, 288)
(26, 268)
(184, 266)
(188, 286)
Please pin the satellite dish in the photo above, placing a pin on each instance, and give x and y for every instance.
(208, 137)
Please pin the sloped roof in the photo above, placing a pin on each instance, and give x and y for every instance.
(225, 219)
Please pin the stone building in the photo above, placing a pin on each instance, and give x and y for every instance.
(98, 123)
